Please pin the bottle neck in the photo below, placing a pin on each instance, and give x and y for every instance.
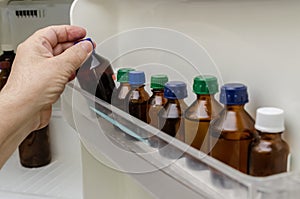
(157, 91)
(270, 136)
(124, 84)
(136, 86)
(175, 101)
(139, 88)
(239, 107)
(6, 52)
(205, 97)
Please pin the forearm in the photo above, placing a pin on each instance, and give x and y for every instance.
(16, 122)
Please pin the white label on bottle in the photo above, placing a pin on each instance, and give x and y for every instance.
(123, 92)
(173, 113)
(135, 95)
(289, 159)
(158, 100)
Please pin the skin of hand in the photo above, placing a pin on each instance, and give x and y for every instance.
(43, 65)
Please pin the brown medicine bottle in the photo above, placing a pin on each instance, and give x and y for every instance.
(119, 95)
(233, 130)
(136, 100)
(6, 61)
(4, 72)
(269, 154)
(35, 151)
(8, 53)
(199, 115)
(157, 100)
(171, 117)
(96, 76)
(137, 97)
(156, 103)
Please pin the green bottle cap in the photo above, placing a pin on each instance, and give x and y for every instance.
(158, 81)
(122, 75)
(206, 84)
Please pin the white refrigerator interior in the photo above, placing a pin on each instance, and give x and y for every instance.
(252, 42)
(22, 18)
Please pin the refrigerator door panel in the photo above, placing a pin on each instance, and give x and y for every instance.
(253, 42)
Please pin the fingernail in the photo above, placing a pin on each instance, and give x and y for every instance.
(86, 39)
(87, 45)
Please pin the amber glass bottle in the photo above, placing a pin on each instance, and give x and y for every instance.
(156, 103)
(199, 115)
(119, 95)
(137, 97)
(4, 72)
(6, 61)
(233, 130)
(35, 151)
(157, 100)
(269, 153)
(8, 53)
(171, 117)
(96, 76)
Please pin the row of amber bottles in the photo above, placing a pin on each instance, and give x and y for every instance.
(232, 135)
(227, 133)
(131, 97)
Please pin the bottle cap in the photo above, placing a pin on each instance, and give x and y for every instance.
(270, 120)
(136, 77)
(4, 64)
(122, 75)
(206, 84)
(175, 90)
(7, 47)
(234, 94)
(158, 81)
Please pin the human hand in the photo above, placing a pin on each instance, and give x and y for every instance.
(44, 64)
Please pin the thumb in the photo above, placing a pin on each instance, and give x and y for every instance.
(73, 57)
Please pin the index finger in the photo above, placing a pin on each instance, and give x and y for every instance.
(61, 34)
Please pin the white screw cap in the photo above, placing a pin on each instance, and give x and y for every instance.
(270, 120)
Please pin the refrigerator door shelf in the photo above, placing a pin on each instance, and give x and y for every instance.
(102, 127)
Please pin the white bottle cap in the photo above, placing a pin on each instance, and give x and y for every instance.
(7, 47)
(270, 120)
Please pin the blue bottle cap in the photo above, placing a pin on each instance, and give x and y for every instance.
(234, 94)
(175, 90)
(136, 77)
